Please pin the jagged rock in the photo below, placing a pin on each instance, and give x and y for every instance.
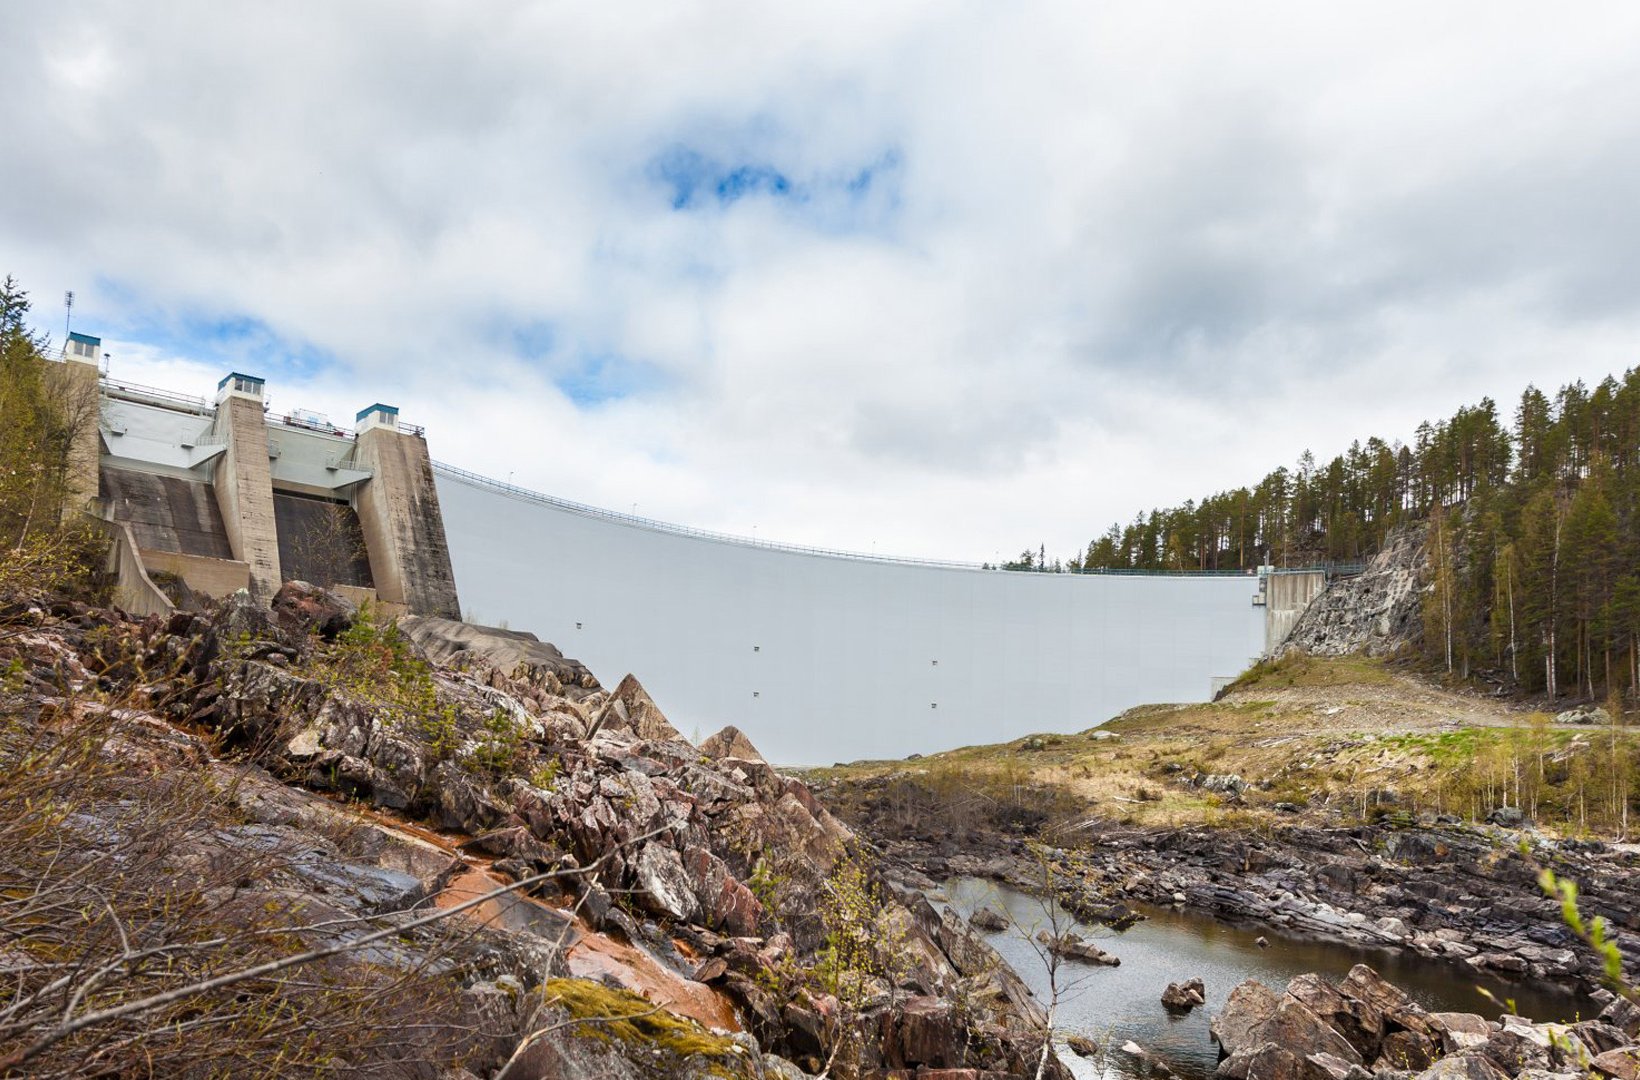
(1462, 1066)
(562, 797)
(1459, 1031)
(1518, 1046)
(1624, 1015)
(984, 918)
(1623, 1064)
(1255, 1015)
(1415, 848)
(1184, 996)
(925, 1033)
(1226, 784)
(1599, 1036)
(1150, 1063)
(640, 713)
(731, 742)
(1265, 1061)
(1073, 947)
(1329, 1067)
(1238, 1025)
(1509, 817)
(1358, 1021)
(1407, 1050)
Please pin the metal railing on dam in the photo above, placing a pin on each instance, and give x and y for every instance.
(820, 655)
(514, 491)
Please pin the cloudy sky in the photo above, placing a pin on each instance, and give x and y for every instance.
(939, 279)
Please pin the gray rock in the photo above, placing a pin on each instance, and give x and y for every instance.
(1225, 784)
(1184, 996)
(1459, 1031)
(1584, 714)
(1463, 1066)
(665, 884)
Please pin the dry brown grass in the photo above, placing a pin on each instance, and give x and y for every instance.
(1350, 735)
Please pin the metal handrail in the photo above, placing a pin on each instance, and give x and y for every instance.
(526, 495)
(291, 421)
(162, 397)
(634, 521)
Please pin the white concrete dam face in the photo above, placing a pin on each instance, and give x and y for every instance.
(821, 659)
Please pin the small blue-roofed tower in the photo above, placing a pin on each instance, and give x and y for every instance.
(83, 349)
(377, 416)
(238, 384)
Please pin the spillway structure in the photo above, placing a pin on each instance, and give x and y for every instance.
(816, 655)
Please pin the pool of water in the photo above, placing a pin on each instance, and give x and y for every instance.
(1113, 1005)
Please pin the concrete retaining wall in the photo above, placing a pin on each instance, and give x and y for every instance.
(134, 591)
(1287, 595)
(215, 578)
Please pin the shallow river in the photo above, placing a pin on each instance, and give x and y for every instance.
(1112, 1005)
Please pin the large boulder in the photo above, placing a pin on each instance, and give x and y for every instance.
(1182, 997)
(1238, 1025)
(1361, 1023)
(302, 609)
(1255, 1016)
(516, 652)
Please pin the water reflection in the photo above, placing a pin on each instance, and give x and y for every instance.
(1112, 1005)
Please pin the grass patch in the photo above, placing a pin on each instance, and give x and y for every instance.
(1297, 670)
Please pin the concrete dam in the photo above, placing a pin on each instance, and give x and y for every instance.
(824, 657)
(817, 656)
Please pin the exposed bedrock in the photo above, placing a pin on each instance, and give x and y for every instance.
(691, 876)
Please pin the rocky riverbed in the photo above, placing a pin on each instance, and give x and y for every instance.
(1466, 894)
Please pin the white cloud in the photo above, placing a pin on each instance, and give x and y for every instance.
(1109, 257)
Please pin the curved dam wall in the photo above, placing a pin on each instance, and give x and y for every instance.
(821, 658)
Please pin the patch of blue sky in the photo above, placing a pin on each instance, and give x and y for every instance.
(599, 380)
(238, 342)
(842, 198)
(534, 340)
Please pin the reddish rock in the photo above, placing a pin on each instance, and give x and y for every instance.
(1621, 1064)
(731, 742)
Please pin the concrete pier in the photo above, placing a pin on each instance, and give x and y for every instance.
(399, 512)
(244, 482)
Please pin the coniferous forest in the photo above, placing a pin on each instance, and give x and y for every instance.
(1533, 532)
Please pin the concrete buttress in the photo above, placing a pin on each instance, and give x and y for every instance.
(403, 527)
(244, 490)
